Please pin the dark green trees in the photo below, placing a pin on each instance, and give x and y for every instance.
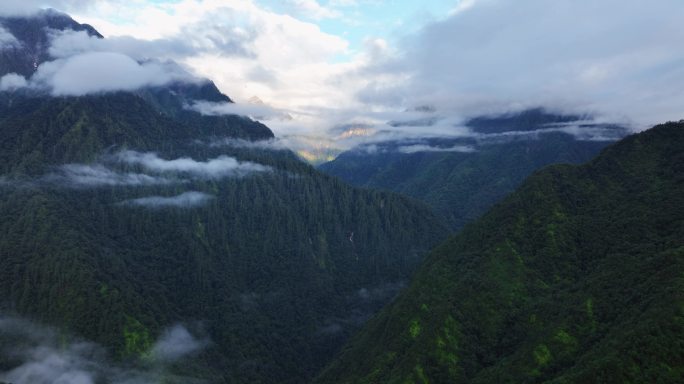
(574, 278)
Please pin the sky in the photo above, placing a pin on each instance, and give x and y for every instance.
(322, 69)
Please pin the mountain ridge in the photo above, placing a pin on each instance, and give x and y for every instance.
(569, 279)
(124, 213)
(460, 178)
(32, 33)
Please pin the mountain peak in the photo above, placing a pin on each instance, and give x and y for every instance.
(33, 34)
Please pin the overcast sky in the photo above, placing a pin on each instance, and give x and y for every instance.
(331, 63)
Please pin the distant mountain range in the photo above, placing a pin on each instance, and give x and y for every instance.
(574, 278)
(460, 178)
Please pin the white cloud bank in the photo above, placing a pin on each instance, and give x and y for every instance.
(616, 58)
(220, 167)
(312, 9)
(255, 111)
(98, 175)
(12, 81)
(97, 72)
(157, 171)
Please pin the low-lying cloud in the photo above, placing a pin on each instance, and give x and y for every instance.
(190, 199)
(255, 111)
(579, 130)
(40, 355)
(176, 343)
(111, 171)
(12, 81)
(230, 41)
(275, 144)
(97, 72)
(7, 39)
(415, 148)
(98, 175)
(220, 167)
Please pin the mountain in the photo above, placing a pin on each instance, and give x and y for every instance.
(123, 214)
(576, 277)
(462, 177)
(33, 40)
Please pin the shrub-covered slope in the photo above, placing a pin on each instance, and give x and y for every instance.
(576, 277)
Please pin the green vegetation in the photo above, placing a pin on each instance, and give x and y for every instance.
(576, 277)
(266, 266)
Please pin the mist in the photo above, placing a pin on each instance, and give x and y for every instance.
(220, 167)
(276, 144)
(98, 175)
(98, 72)
(190, 199)
(7, 39)
(175, 343)
(255, 111)
(38, 354)
(12, 81)
(428, 148)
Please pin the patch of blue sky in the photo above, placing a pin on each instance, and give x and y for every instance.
(360, 20)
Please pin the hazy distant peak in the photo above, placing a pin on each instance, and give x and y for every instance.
(255, 100)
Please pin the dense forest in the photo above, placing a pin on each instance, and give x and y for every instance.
(574, 278)
(142, 241)
(270, 261)
(122, 214)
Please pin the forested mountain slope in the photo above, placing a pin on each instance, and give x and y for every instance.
(461, 178)
(122, 214)
(574, 278)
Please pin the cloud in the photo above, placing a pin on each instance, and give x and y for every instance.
(176, 343)
(270, 144)
(12, 81)
(7, 39)
(428, 148)
(40, 355)
(312, 9)
(222, 166)
(246, 49)
(579, 131)
(256, 111)
(613, 58)
(98, 72)
(156, 171)
(184, 200)
(98, 175)
(229, 42)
